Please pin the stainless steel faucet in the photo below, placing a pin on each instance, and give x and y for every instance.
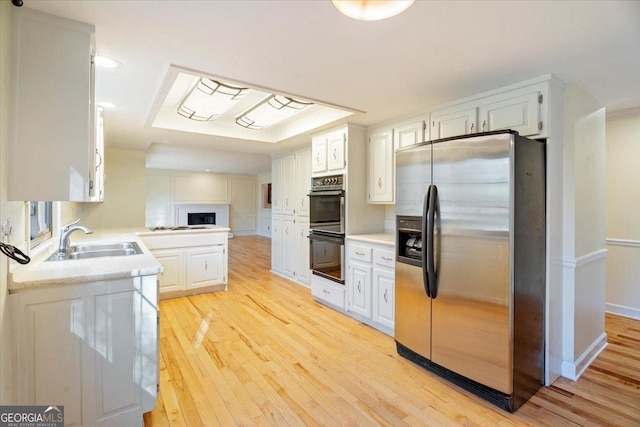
(66, 232)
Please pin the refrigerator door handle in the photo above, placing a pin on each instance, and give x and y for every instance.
(431, 267)
(425, 213)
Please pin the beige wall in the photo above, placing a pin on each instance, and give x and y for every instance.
(124, 193)
(168, 187)
(623, 216)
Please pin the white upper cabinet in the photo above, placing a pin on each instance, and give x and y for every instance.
(54, 114)
(336, 145)
(409, 134)
(303, 182)
(381, 167)
(276, 186)
(319, 154)
(445, 124)
(521, 108)
(288, 184)
(520, 113)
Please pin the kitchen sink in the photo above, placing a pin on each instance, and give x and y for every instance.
(97, 250)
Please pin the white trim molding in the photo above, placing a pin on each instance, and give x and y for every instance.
(574, 370)
(584, 259)
(624, 243)
(621, 310)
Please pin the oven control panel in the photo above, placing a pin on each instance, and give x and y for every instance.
(332, 182)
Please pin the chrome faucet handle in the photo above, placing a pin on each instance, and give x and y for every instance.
(66, 227)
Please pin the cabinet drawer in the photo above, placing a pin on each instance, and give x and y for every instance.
(384, 258)
(360, 253)
(328, 292)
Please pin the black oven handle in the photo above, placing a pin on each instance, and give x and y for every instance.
(327, 238)
(326, 193)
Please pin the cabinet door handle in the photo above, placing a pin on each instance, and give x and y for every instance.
(385, 296)
(286, 231)
(359, 253)
(206, 266)
(386, 259)
(334, 153)
(100, 157)
(359, 287)
(380, 182)
(326, 291)
(484, 124)
(325, 251)
(318, 157)
(286, 203)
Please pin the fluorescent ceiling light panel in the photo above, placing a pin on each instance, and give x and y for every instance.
(180, 82)
(272, 110)
(209, 99)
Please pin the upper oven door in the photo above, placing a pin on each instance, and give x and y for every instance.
(326, 211)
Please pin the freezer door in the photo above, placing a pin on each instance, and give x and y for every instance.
(413, 176)
(413, 310)
(471, 333)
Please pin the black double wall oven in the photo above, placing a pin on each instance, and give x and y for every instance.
(327, 227)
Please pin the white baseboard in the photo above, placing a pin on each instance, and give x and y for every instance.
(621, 310)
(574, 370)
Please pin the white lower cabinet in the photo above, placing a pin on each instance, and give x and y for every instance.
(370, 283)
(205, 266)
(276, 243)
(288, 241)
(193, 261)
(303, 270)
(383, 290)
(92, 347)
(328, 292)
(172, 277)
(359, 289)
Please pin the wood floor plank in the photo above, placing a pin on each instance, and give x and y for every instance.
(265, 353)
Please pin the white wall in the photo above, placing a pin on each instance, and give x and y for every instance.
(167, 187)
(264, 214)
(124, 193)
(583, 208)
(623, 216)
(12, 210)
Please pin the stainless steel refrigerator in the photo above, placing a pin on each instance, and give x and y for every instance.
(470, 262)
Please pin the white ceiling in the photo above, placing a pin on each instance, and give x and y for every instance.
(436, 51)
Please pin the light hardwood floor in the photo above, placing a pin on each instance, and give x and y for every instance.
(265, 353)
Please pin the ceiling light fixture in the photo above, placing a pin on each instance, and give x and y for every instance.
(106, 62)
(371, 10)
(272, 110)
(209, 99)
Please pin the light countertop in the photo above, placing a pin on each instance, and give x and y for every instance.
(69, 272)
(381, 238)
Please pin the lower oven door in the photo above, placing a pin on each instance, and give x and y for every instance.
(327, 255)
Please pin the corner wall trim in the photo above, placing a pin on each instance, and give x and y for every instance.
(621, 310)
(584, 259)
(574, 370)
